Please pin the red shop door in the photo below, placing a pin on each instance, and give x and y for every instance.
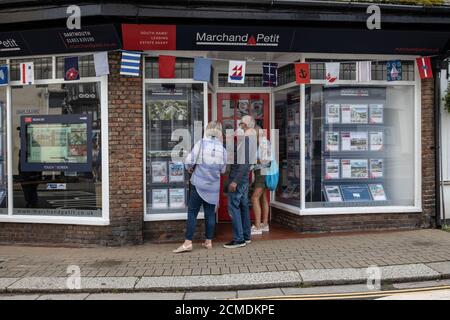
(231, 107)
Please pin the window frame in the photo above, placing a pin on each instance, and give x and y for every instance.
(168, 215)
(416, 84)
(94, 221)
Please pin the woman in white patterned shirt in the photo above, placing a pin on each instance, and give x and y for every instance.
(207, 161)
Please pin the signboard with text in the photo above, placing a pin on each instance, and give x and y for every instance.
(59, 40)
(280, 39)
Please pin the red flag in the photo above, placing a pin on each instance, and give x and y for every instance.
(302, 73)
(424, 66)
(166, 66)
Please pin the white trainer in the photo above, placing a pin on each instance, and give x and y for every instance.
(264, 227)
(256, 230)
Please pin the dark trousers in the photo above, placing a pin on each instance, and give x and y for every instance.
(195, 202)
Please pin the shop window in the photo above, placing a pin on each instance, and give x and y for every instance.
(379, 70)
(168, 108)
(42, 68)
(286, 74)
(251, 80)
(287, 122)
(359, 145)
(347, 70)
(85, 65)
(184, 68)
(3, 162)
(56, 145)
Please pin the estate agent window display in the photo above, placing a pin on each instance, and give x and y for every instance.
(57, 144)
(360, 145)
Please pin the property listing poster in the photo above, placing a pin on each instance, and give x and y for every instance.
(177, 198)
(159, 172)
(376, 168)
(377, 192)
(159, 198)
(331, 141)
(355, 168)
(333, 193)
(331, 169)
(354, 141)
(376, 141)
(176, 172)
(354, 113)
(376, 113)
(332, 113)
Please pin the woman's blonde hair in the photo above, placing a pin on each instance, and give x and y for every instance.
(214, 129)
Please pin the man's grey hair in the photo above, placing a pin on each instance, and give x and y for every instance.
(249, 121)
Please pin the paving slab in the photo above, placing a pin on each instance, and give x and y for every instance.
(421, 284)
(28, 284)
(327, 289)
(408, 272)
(210, 295)
(105, 283)
(137, 296)
(6, 282)
(442, 267)
(69, 296)
(19, 297)
(222, 282)
(260, 293)
(333, 276)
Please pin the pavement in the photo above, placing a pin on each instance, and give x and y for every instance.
(282, 266)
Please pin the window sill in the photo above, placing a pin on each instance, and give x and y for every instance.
(55, 220)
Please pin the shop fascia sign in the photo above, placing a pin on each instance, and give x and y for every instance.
(59, 40)
(280, 39)
(245, 39)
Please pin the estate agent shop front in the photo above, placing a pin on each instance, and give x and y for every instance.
(87, 161)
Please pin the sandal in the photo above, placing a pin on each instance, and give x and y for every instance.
(183, 248)
(207, 245)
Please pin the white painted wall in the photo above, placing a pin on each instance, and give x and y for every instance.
(445, 144)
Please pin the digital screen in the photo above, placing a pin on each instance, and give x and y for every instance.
(56, 143)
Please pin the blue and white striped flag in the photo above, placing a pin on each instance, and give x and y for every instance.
(130, 63)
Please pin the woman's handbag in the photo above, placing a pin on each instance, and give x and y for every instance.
(272, 176)
(272, 173)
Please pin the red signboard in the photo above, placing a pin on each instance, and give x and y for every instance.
(149, 37)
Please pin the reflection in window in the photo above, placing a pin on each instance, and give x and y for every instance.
(61, 191)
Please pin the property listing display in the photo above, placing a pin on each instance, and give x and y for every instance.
(353, 158)
(56, 142)
(287, 117)
(169, 108)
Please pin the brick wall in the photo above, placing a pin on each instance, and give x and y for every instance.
(382, 221)
(428, 155)
(168, 231)
(126, 190)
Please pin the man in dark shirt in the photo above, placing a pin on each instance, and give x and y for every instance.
(238, 185)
